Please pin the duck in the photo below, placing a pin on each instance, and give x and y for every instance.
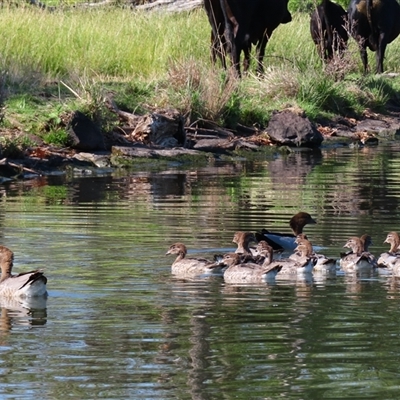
(302, 266)
(192, 267)
(358, 260)
(286, 241)
(249, 272)
(323, 264)
(366, 241)
(243, 240)
(23, 285)
(390, 260)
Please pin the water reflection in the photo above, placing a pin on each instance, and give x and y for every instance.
(119, 326)
(28, 312)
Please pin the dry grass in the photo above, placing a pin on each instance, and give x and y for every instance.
(203, 93)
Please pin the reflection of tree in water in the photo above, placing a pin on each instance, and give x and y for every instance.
(294, 168)
(236, 334)
(188, 334)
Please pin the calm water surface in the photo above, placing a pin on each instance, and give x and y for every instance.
(116, 325)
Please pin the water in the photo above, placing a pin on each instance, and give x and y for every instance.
(117, 325)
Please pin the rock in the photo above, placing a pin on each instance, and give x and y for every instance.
(84, 134)
(162, 129)
(290, 129)
(379, 127)
(99, 160)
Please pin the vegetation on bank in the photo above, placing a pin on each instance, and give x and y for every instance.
(53, 63)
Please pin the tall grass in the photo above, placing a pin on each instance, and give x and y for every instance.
(114, 43)
(162, 59)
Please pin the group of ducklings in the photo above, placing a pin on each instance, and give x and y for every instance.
(248, 265)
(256, 265)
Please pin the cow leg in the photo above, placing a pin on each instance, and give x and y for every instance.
(380, 53)
(214, 50)
(246, 60)
(364, 55)
(231, 35)
(218, 48)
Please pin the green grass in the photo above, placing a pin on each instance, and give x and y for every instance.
(55, 62)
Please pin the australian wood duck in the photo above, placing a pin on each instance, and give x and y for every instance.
(26, 284)
(286, 241)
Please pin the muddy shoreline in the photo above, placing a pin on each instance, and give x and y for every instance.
(45, 160)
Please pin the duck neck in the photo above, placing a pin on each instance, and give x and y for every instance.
(6, 268)
(305, 249)
(358, 248)
(296, 228)
(268, 254)
(243, 248)
(181, 255)
(394, 245)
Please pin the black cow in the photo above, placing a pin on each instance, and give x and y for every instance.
(328, 29)
(245, 22)
(217, 22)
(374, 24)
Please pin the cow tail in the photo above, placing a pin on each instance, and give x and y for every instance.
(374, 33)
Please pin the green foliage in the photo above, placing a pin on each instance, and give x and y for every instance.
(140, 69)
(58, 137)
(307, 6)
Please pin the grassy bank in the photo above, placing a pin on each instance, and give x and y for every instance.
(57, 62)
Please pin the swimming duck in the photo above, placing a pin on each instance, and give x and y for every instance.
(357, 259)
(250, 272)
(192, 267)
(302, 266)
(26, 284)
(286, 241)
(366, 241)
(304, 248)
(390, 260)
(243, 240)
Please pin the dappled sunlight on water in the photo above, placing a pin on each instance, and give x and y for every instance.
(116, 324)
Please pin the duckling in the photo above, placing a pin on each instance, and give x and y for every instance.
(287, 241)
(366, 241)
(25, 284)
(390, 260)
(302, 266)
(243, 240)
(192, 267)
(304, 248)
(357, 259)
(238, 272)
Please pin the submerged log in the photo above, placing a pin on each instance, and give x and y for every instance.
(153, 153)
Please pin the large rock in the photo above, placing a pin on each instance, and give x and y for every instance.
(291, 129)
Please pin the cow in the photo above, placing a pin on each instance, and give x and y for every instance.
(244, 23)
(328, 27)
(374, 24)
(217, 22)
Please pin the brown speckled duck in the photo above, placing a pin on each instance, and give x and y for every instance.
(249, 272)
(302, 266)
(243, 240)
(26, 284)
(304, 248)
(390, 260)
(191, 267)
(285, 241)
(358, 260)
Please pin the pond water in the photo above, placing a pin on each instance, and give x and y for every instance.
(117, 325)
